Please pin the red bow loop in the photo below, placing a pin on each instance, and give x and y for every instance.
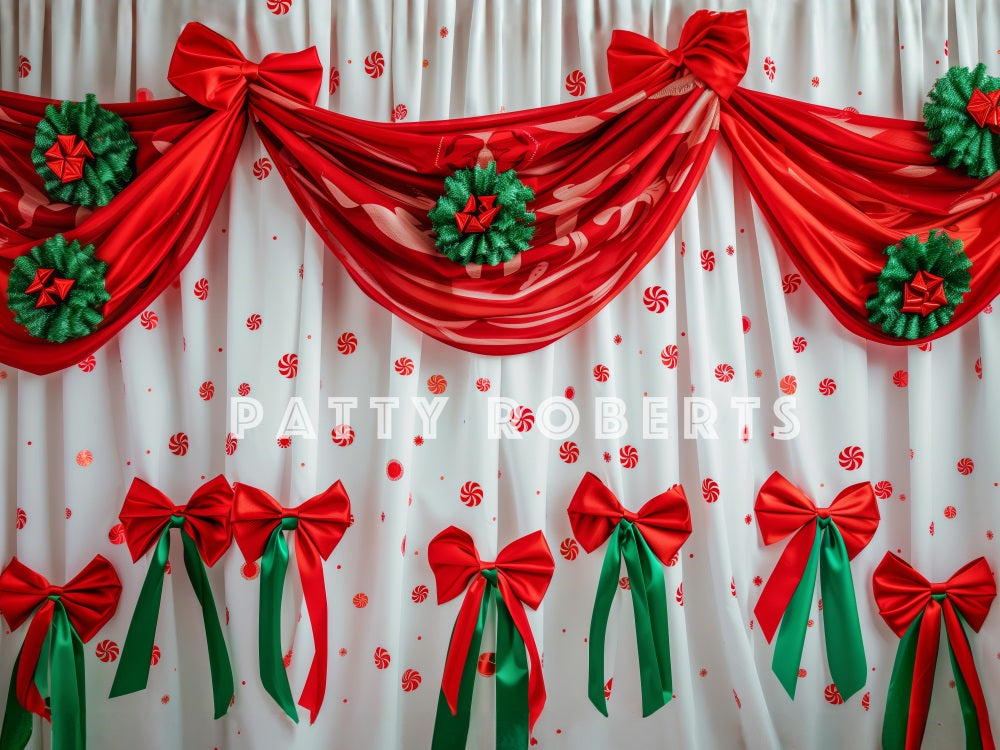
(783, 509)
(211, 70)
(323, 519)
(454, 559)
(527, 565)
(902, 593)
(147, 511)
(595, 511)
(984, 110)
(715, 47)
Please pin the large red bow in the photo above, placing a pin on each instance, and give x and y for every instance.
(902, 595)
(594, 512)
(211, 70)
(984, 110)
(783, 509)
(90, 600)
(147, 511)
(715, 47)
(524, 568)
(322, 521)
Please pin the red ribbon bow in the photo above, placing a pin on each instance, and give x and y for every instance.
(983, 108)
(322, 521)
(923, 294)
(211, 70)
(66, 157)
(783, 509)
(594, 512)
(147, 511)
(50, 287)
(90, 600)
(524, 568)
(902, 594)
(715, 47)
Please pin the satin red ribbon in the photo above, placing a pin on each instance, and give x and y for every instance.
(90, 600)
(147, 511)
(524, 568)
(211, 70)
(902, 595)
(595, 511)
(715, 47)
(984, 110)
(322, 521)
(783, 509)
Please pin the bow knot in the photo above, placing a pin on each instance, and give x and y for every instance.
(714, 47)
(939, 589)
(211, 70)
(630, 516)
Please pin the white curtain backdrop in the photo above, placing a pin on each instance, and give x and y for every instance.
(71, 442)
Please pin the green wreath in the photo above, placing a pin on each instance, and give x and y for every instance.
(83, 153)
(960, 140)
(920, 285)
(483, 217)
(56, 288)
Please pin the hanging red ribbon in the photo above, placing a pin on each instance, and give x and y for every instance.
(783, 509)
(524, 568)
(90, 600)
(906, 600)
(320, 523)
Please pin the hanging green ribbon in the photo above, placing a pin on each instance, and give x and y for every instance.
(272, 581)
(897, 703)
(844, 646)
(59, 676)
(134, 664)
(451, 731)
(649, 603)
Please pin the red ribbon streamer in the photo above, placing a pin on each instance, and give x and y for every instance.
(146, 511)
(902, 594)
(783, 509)
(594, 512)
(524, 568)
(322, 521)
(90, 600)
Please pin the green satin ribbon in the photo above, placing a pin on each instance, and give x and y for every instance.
(897, 702)
(134, 664)
(649, 603)
(845, 648)
(451, 731)
(272, 581)
(59, 677)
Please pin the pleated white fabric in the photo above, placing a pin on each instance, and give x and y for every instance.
(71, 442)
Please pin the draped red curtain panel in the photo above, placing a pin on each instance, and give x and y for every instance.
(609, 177)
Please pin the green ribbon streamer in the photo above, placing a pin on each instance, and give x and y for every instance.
(59, 677)
(897, 703)
(452, 730)
(649, 603)
(845, 649)
(134, 664)
(272, 580)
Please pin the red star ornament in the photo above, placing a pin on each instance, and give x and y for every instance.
(50, 287)
(478, 214)
(924, 294)
(66, 157)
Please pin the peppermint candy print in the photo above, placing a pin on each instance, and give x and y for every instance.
(201, 289)
(360, 600)
(788, 385)
(708, 260)
(88, 364)
(827, 386)
(724, 372)
(471, 494)
(569, 549)
(790, 283)
(799, 344)
(655, 299)
(576, 83)
(569, 452)
(410, 680)
(769, 68)
(243, 389)
(206, 390)
(398, 113)
(107, 651)
(178, 444)
(710, 490)
(149, 320)
(347, 343)
(669, 356)
(403, 366)
(436, 384)
(231, 443)
(23, 66)
(374, 64)
(900, 378)
(254, 322)
(832, 695)
(419, 594)
(965, 466)
(482, 384)
(628, 457)
(154, 656)
(851, 458)
(262, 168)
(601, 373)
(342, 435)
(117, 534)
(883, 489)
(20, 518)
(279, 7)
(84, 458)
(334, 80)
(522, 418)
(950, 512)
(288, 365)
(679, 594)
(382, 658)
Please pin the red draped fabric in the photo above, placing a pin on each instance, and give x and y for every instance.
(838, 187)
